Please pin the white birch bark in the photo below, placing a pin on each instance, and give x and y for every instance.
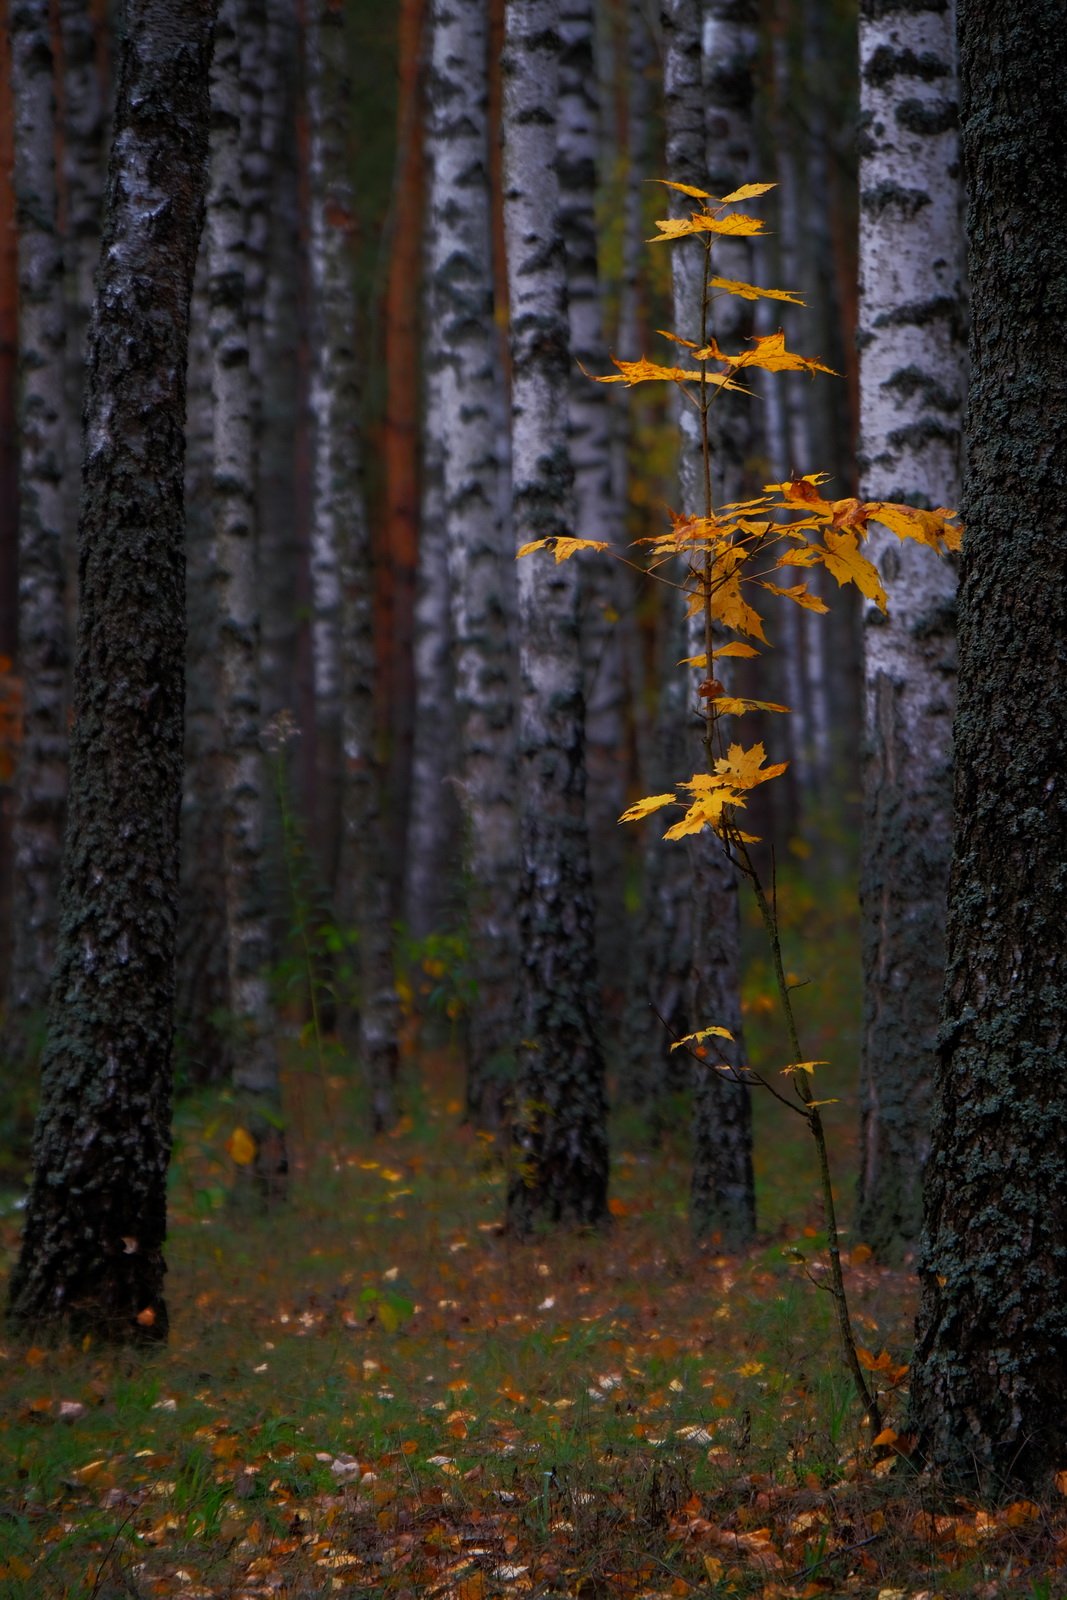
(83, 161)
(597, 507)
(343, 630)
(332, 397)
(707, 54)
(560, 1112)
(805, 631)
(242, 774)
(41, 776)
(275, 359)
(911, 389)
(430, 857)
(203, 1046)
(466, 375)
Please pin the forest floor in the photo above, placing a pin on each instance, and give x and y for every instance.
(376, 1392)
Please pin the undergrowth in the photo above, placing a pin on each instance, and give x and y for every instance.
(376, 1392)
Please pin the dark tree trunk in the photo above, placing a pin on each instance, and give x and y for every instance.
(989, 1385)
(92, 1251)
(560, 1110)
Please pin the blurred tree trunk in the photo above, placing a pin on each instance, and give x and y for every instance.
(912, 318)
(989, 1377)
(82, 176)
(657, 1007)
(240, 33)
(708, 93)
(465, 373)
(202, 1042)
(401, 430)
(92, 1249)
(345, 660)
(41, 778)
(9, 472)
(598, 512)
(333, 402)
(560, 1113)
(430, 856)
(274, 234)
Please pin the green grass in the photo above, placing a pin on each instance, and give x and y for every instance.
(377, 1392)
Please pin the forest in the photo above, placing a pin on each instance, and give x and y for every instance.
(533, 645)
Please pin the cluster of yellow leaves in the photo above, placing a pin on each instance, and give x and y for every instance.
(711, 792)
(738, 551)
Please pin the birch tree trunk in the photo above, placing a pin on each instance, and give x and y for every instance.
(332, 401)
(83, 189)
(466, 373)
(202, 1043)
(722, 1196)
(277, 369)
(92, 1249)
(989, 1377)
(598, 512)
(911, 390)
(41, 777)
(560, 1113)
(345, 663)
(430, 858)
(242, 773)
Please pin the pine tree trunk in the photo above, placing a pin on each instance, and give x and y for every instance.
(41, 778)
(466, 370)
(560, 1112)
(989, 1379)
(92, 1250)
(911, 392)
(242, 772)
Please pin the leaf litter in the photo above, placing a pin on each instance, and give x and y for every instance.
(378, 1393)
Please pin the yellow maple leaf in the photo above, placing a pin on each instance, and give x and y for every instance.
(729, 607)
(683, 188)
(734, 648)
(645, 807)
(645, 371)
(241, 1147)
(842, 558)
(909, 522)
(747, 191)
(803, 1066)
(731, 706)
(799, 593)
(704, 1033)
(562, 546)
(706, 813)
(751, 291)
(736, 225)
(676, 338)
(769, 352)
(744, 768)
